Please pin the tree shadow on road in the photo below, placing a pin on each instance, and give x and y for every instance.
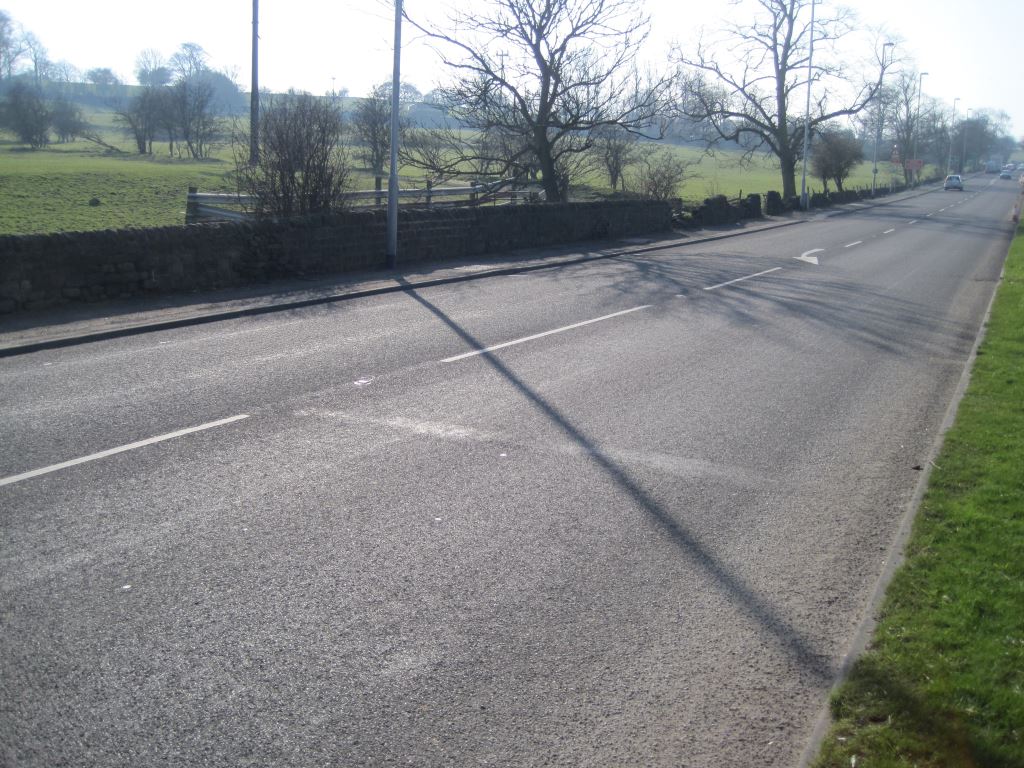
(865, 315)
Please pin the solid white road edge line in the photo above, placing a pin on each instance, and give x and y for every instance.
(542, 335)
(741, 279)
(120, 449)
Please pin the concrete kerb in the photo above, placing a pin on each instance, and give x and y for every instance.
(56, 336)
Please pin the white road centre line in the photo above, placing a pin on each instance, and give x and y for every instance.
(120, 449)
(888, 231)
(542, 335)
(850, 245)
(741, 279)
(913, 221)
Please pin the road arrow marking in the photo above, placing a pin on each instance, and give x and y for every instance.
(806, 256)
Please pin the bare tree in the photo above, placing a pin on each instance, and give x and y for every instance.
(65, 72)
(545, 73)
(371, 126)
(151, 69)
(192, 99)
(447, 151)
(27, 115)
(167, 117)
(67, 120)
(659, 173)
(302, 167)
(835, 154)
(614, 149)
(103, 77)
(912, 118)
(140, 116)
(39, 57)
(746, 83)
(12, 46)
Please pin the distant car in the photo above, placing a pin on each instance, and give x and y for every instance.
(953, 181)
(1005, 174)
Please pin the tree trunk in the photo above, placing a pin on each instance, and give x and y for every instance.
(788, 164)
(548, 174)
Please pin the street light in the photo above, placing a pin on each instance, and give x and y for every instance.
(949, 158)
(963, 156)
(881, 120)
(393, 176)
(254, 91)
(917, 124)
(804, 200)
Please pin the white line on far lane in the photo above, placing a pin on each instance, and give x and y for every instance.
(888, 231)
(542, 335)
(850, 245)
(120, 449)
(741, 279)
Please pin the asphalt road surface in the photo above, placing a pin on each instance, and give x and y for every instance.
(628, 512)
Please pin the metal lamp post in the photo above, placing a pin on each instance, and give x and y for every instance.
(805, 202)
(963, 155)
(881, 122)
(393, 176)
(254, 93)
(949, 158)
(917, 124)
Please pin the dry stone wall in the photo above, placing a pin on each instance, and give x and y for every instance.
(39, 271)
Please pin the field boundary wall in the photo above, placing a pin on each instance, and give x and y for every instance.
(38, 271)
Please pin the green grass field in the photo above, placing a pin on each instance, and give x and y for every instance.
(942, 683)
(50, 190)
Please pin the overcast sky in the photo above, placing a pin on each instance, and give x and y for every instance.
(974, 51)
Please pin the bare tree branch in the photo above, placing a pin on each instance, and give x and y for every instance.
(535, 78)
(752, 102)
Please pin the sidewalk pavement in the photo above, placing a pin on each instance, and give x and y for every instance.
(71, 324)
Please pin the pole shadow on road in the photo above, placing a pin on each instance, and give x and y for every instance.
(788, 637)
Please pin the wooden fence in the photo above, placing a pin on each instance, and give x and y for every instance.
(206, 206)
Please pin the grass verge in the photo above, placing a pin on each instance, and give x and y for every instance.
(942, 683)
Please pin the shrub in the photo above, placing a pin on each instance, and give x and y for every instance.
(301, 166)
